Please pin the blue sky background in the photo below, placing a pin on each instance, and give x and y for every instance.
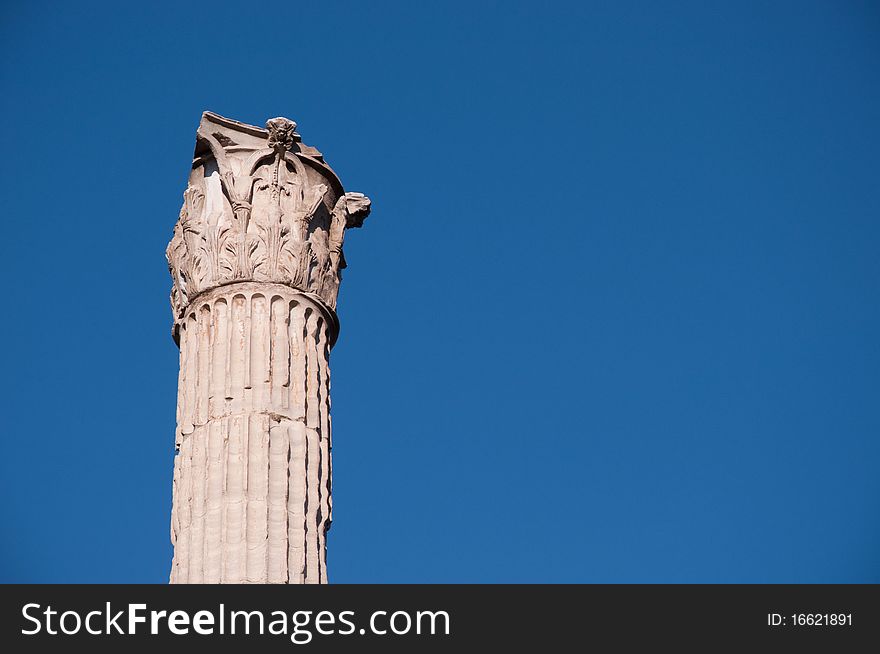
(614, 317)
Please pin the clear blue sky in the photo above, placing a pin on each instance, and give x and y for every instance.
(614, 317)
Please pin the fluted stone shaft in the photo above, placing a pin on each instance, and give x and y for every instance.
(255, 260)
(252, 473)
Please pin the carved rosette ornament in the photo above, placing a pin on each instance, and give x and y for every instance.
(255, 261)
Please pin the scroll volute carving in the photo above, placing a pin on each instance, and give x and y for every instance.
(260, 206)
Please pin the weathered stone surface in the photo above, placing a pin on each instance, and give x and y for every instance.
(260, 206)
(255, 261)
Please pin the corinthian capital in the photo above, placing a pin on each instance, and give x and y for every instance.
(260, 206)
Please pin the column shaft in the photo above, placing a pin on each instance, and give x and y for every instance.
(251, 497)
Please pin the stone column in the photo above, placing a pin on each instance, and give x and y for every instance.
(255, 261)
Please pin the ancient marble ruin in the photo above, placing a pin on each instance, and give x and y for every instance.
(256, 260)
